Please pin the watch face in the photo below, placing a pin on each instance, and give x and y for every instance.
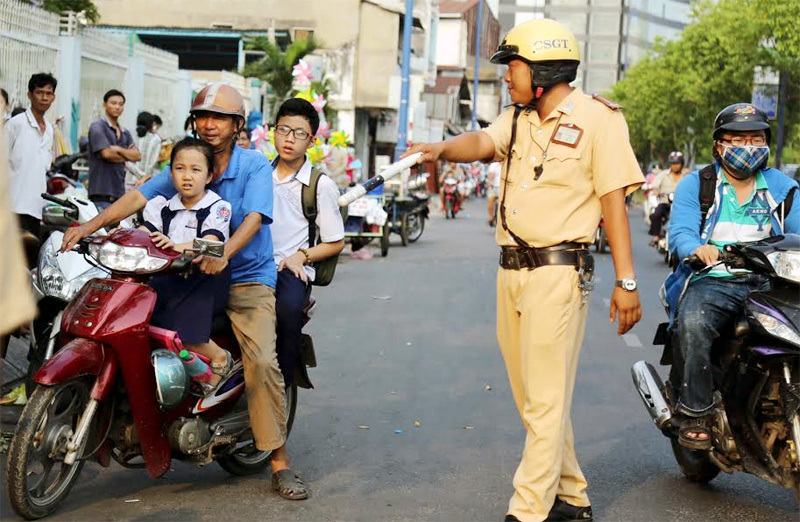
(629, 284)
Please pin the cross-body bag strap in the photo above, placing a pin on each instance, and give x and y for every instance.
(521, 242)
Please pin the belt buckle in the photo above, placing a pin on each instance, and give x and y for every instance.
(510, 259)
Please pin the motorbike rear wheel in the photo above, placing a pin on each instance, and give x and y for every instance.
(695, 465)
(37, 478)
(404, 230)
(248, 460)
(449, 204)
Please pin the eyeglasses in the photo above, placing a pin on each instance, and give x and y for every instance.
(741, 141)
(285, 130)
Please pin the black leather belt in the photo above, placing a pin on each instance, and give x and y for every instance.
(516, 258)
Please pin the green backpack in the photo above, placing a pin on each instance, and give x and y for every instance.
(327, 267)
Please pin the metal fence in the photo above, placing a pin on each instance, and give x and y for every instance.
(30, 42)
(28, 45)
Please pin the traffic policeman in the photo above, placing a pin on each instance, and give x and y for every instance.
(566, 160)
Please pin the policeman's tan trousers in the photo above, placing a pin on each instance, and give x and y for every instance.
(541, 321)
(251, 308)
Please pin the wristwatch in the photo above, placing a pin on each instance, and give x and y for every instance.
(628, 284)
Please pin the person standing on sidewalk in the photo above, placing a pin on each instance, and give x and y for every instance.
(110, 146)
(30, 152)
(567, 160)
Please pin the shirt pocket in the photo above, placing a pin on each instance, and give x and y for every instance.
(516, 165)
(562, 166)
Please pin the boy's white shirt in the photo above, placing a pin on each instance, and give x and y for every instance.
(183, 227)
(289, 226)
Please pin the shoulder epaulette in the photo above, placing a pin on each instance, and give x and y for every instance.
(608, 103)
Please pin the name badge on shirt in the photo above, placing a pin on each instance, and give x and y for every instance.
(567, 134)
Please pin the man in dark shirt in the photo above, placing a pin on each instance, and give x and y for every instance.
(110, 146)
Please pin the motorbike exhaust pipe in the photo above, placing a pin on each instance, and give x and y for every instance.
(649, 386)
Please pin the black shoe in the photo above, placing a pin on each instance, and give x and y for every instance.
(511, 518)
(564, 512)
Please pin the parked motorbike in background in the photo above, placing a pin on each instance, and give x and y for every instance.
(663, 238)
(600, 238)
(756, 369)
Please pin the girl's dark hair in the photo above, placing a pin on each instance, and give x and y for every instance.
(157, 120)
(144, 122)
(4, 94)
(299, 107)
(191, 143)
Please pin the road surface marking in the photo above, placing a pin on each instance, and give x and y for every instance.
(632, 340)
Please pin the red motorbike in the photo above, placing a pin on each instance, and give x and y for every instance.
(451, 203)
(117, 388)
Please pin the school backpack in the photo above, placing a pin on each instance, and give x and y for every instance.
(327, 267)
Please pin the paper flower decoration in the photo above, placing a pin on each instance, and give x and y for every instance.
(339, 139)
(316, 155)
(259, 135)
(307, 95)
(324, 130)
(318, 102)
(302, 73)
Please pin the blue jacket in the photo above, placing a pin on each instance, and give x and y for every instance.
(684, 224)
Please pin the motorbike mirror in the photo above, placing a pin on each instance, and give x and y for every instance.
(208, 247)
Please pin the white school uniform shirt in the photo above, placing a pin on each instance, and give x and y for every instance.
(183, 227)
(289, 226)
(30, 154)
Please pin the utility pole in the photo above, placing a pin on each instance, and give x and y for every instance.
(478, 35)
(402, 124)
(782, 80)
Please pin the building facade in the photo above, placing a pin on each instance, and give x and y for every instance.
(614, 34)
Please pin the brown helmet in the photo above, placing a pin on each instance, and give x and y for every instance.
(219, 98)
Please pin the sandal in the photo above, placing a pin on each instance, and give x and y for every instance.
(221, 369)
(289, 485)
(695, 425)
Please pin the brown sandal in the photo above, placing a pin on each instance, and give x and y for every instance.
(289, 485)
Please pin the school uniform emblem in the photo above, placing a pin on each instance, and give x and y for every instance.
(223, 213)
(567, 134)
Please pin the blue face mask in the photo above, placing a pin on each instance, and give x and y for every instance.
(743, 162)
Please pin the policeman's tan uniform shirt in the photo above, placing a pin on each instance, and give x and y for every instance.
(541, 313)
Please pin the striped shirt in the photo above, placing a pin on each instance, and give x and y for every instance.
(740, 223)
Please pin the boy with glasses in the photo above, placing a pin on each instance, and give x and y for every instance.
(296, 125)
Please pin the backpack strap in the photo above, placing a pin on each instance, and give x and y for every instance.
(166, 218)
(202, 214)
(309, 201)
(786, 207)
(707, 192)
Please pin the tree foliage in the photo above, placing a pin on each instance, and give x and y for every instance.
(60, 6)
(672, 96)
(275, 68)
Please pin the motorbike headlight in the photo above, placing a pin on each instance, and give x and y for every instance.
(786, 265)
(51, 280)
(72, 287)
(778, 328)
(128, 259)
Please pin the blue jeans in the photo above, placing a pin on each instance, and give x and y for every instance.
(707, 307)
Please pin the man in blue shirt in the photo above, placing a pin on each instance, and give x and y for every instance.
(246, 183)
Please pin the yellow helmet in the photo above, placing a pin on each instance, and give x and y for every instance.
(540, 40)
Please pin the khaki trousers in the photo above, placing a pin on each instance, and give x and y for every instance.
(251, 308)
(541, 319)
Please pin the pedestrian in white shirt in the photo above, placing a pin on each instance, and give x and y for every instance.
(30, 152)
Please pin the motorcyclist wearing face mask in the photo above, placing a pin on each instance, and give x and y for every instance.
(750, 203)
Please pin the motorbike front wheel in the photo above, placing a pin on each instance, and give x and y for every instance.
(247, 459)
(695, 465)
(416, 224)
(37, 478)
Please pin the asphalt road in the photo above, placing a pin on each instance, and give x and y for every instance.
(410, 339)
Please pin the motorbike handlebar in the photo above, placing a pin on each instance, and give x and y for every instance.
(391, 171)
(726, 257)
(58, 201)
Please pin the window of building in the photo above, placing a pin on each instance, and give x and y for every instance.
(599, 80)
(605, 24)
(603, 52)
(575, 22)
